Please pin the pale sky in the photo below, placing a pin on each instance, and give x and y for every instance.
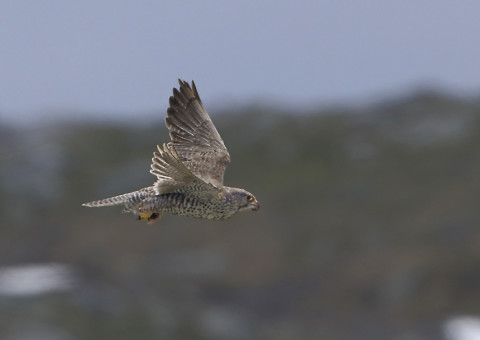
(117, 57)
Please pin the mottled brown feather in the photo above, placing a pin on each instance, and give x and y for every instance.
(172, 174)
(194, 137)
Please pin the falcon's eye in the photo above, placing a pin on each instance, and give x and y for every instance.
(250, 198)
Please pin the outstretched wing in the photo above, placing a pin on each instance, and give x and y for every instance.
(194, 136)
(172, 174)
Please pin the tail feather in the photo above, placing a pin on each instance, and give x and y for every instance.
(106, 202)
(131, 197)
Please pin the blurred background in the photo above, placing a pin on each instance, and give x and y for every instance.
(356, 125)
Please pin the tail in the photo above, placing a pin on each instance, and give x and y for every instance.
(131, 197)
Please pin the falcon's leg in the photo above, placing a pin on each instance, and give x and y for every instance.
(154, 217)
(148, 216)
(143, 215)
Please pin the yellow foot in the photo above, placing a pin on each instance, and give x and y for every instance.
(148, 216)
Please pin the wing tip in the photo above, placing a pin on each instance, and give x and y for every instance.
(190, 87)
(194, 89)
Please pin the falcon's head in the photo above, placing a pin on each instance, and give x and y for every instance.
(240, 199)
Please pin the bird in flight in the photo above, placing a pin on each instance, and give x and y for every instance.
(189, 169)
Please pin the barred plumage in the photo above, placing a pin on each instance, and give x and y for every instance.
(189, 169)
(130, 198)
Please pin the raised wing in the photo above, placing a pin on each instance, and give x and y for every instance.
(194, 136)
(172, 174)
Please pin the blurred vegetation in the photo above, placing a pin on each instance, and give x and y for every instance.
(369, 227)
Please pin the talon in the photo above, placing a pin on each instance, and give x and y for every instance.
(144, 215)
(148, 216)
(153, 217)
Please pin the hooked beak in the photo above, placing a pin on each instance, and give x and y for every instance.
(255, 205)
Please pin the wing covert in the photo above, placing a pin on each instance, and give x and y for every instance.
(171, 173)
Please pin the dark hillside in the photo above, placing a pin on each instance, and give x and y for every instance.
(369, 228)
